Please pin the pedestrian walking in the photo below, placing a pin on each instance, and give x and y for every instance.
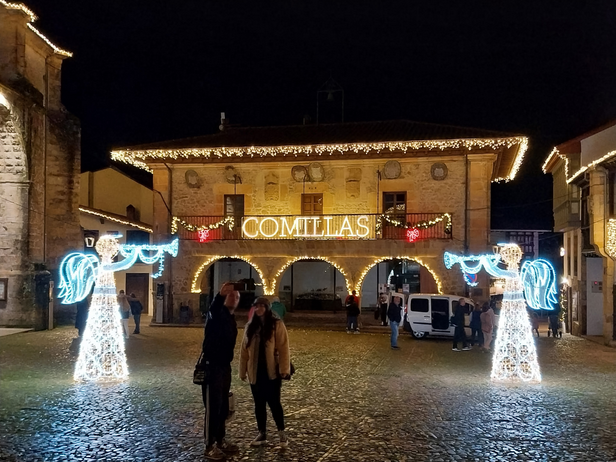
(135, 308)
(534, 322)
(475, 324)
(218, 346)
(487, 325)
(264, 362)
(553, 323)
(278, 308)
(124, 311)
(352, 308)
(383, 307)
(458, 321)
(395, 318)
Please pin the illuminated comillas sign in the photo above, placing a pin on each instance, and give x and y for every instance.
(308, 227)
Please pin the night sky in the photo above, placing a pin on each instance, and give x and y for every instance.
(146, 71)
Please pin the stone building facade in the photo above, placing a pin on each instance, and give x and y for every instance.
(584, 178)
(39, 168)
(386, 179)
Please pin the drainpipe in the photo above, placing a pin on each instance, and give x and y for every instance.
(466, 204)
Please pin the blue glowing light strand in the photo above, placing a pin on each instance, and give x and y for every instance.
(78, 271)
(133, 252)
(487, 261)
(539, 281)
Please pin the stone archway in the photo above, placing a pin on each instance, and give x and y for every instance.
(200, 272)
(429, 280)
(325, 288)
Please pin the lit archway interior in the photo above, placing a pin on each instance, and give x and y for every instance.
(311, 283)
(210, 275)
(399, 271)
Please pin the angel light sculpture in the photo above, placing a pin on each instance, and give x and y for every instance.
(515, 355)
(101, 354)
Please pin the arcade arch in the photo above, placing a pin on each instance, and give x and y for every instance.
(311, 283)
(397, 271)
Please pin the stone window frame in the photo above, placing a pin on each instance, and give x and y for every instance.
(4, 287)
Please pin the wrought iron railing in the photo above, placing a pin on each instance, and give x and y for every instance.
(410, 226)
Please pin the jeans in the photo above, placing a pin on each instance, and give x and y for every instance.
(264, 392)
(137, 321)
(216, 401)
(384, 313)
(394, 333)
(352, 323)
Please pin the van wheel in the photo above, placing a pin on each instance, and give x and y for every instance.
(419, 335)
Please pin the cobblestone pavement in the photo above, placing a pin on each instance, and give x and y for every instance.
(351, 399)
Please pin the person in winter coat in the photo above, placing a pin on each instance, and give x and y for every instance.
(488, 319)
(475, 324)
(395, 318)
(458, 321)
(278, 308)
(383, 306)
(135, 308)
(264, 361)
(352, 308)
(218, 348)
(124, 311)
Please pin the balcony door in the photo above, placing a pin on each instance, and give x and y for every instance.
(394, 206)
(312, 205)
(234, 207)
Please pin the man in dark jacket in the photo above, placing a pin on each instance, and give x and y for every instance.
(395, 318)
(458, 320)
(352, 308)
(135, 308)
(218, 346)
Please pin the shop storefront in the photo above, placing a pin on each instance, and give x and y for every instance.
(310, 213)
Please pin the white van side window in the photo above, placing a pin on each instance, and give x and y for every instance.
(420, 304)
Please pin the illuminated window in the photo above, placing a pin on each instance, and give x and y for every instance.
(312, 204)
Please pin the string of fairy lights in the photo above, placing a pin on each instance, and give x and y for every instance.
(581, 170)
(32, 17)
(228, 221)
(139, 158)
(391, 220)
(425, 224)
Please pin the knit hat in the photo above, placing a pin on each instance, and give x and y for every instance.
(262, 301)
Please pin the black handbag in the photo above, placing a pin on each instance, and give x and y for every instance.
(201, 373)
(291, 372)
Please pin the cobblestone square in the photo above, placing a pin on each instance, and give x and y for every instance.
(351, 399)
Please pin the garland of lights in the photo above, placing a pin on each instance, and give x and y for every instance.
(569, 179)
(272, 289)
(194, 288)
(101, 354)
(515, 355)
(32, 17)
(425, 224)
(229, 221)
(115, 219)
(138, 157)
(610, 245)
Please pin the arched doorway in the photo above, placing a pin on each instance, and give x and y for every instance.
(312, 284)
(399, 274)
(246, 277)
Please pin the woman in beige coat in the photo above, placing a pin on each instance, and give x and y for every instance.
(264, 361)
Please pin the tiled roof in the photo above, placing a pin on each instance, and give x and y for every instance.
(356, 132)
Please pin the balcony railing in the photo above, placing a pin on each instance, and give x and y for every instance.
(410, 226)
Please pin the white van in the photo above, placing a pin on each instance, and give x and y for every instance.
(429, 314)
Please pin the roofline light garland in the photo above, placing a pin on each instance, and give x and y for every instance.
(116, 220)
(24, 9)
(138, 157)
(583, 169)
(280, 272)
(591, 165)
(360, 281)
(196, 290)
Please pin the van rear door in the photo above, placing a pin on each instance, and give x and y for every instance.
(440, 314)
(418, 313)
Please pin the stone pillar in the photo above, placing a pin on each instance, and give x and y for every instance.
(161, 225)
